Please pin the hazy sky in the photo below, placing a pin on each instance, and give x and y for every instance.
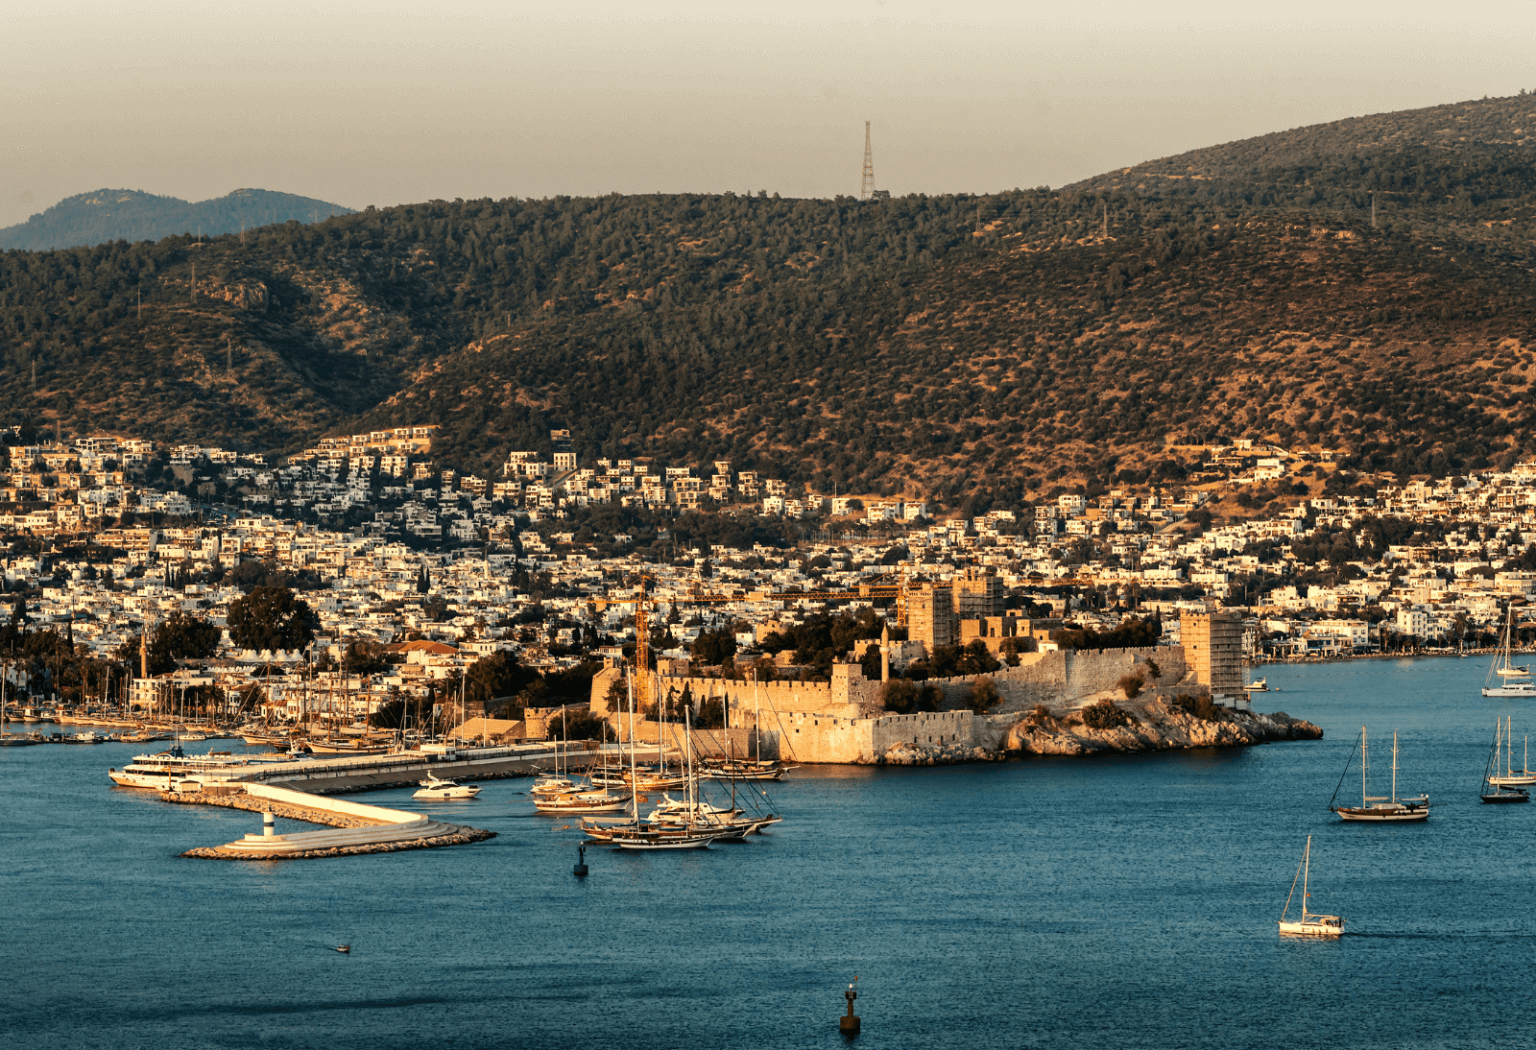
(388, 102)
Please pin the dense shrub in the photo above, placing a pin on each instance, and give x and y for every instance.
(1201, 707)
(1105, 715)
(982, 695)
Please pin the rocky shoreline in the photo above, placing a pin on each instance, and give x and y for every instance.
(1153, 726)
(1164, 729)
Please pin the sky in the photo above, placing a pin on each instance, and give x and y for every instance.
(390, 102)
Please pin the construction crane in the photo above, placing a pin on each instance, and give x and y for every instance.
(644, 601)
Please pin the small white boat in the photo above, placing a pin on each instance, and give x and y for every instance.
(1310, 924)
(432, 787)
(1259, 685)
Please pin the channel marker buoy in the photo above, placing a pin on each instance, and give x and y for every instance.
(848, 1024)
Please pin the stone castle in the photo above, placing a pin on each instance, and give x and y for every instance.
(842, 721)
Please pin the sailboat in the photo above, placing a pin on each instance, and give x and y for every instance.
(1379, 808)
(1502, 789)
(647, 836)
(1510, 778)
(1513, 680)
(1310, 924)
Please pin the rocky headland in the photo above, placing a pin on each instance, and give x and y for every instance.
(1105, 727)
(1159, 727)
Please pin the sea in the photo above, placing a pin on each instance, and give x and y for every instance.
(1126, 901)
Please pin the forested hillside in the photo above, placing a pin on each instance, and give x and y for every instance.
(1464, 168)
(132, 215)
(956, 347)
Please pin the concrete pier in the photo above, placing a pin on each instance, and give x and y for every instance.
(334, 774)
(353, 828)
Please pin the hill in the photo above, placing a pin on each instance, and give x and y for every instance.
(132, 215)
(966, 348)
(1464, 168)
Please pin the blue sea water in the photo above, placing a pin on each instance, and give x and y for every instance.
(1109, 902)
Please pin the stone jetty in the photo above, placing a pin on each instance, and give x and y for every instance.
(455, 835)
(351, 828)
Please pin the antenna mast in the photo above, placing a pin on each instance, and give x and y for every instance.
(867, 187)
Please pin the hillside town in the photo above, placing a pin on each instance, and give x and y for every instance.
(433, 570)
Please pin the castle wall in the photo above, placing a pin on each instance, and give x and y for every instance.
(707, 743)
(938, 727)
(1065, 678)
(842, 722)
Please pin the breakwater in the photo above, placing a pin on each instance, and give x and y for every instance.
(339, 774)
(354, 829)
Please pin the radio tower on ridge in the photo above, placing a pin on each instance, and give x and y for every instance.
(867, 188)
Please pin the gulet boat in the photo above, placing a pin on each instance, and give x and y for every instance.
(1493, 792)
(1510, 778)
(1379, 808)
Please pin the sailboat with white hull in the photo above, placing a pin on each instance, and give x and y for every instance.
(1513, 680)
(1510, 778)
(1311, 924)
(1379, 808)
(1498, 789)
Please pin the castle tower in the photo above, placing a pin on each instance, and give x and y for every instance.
(931, 615)
(1213, 648)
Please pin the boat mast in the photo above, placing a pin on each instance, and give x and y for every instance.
(634, 777)
(693, 793)
(1306, 875)
(757, 717)
(1365, 768)
(1394, 766)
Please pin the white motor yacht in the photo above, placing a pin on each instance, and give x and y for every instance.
(432, 787)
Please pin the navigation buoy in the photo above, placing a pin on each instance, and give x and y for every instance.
(345, 949)
(580, 871)
(848, 1024)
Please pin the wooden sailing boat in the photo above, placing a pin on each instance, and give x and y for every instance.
(1502, 791)
(1379, 808)
(1310, 924)
(733, 768)
(638, 836)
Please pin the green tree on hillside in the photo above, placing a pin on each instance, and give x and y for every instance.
(271, 618)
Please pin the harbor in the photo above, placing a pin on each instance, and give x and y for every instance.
(1036, 877)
